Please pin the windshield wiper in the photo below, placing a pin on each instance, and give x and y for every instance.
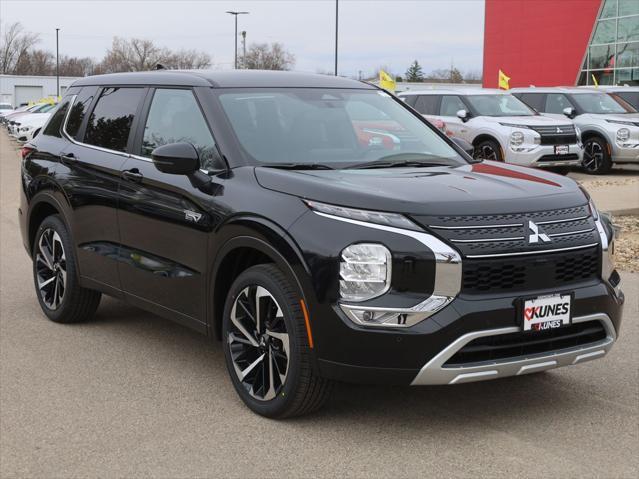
(402, 160)
(298, 166)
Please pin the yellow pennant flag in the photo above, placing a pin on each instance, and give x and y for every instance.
(595, 81)
(386, 81)
(503, 80)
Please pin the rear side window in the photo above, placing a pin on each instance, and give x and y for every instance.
(451, 104)
(427, 104)
(556, 102)
(533, 100)
(54, 126)
(410, 99)
(174, 117)
(79, 110)
(110, 121)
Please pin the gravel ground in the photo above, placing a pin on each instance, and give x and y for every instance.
(627, 254)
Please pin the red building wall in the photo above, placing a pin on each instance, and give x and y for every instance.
(538, 42)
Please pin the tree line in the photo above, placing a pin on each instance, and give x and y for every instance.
(415, 73)
(20, 55)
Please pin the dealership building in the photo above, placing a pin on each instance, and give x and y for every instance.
(19, 90)
(562, 42)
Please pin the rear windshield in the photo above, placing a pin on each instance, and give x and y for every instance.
(333, 127)
(498, 105)
(599, 103)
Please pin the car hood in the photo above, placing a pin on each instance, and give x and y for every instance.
(35, 119)
(480, 188)
(536, 120)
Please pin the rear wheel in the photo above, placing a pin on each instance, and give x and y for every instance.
(266, 346)
(60, 296)
(596, 160)
(488, 150)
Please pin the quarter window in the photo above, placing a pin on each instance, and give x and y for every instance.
(55, 123)
(110, 121)
(451, 104)
(78, 111)
(176, 117)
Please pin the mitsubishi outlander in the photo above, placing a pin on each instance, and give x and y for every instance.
(318, 227)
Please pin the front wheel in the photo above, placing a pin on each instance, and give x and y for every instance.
(596, 160)
(266, 346)
(488, 150)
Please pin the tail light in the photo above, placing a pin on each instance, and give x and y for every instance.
(26, 151)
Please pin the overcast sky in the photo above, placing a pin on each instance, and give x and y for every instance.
(372, 33)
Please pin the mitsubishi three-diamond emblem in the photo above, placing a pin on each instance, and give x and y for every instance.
(536, 234)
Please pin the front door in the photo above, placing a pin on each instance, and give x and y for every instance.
(448, 109)
(164, 224)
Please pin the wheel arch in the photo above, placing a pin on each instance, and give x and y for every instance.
(44, 204)
(245, 242)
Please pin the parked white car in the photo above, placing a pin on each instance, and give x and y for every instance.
(17, 121)
(609, 129)
(31, 126)
(500, 127)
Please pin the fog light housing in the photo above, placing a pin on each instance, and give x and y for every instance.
(395, 317)
(365, 271)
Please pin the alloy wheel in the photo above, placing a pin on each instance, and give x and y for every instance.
(486, 152)
(593, 156)
(259, 343)
(51, 268)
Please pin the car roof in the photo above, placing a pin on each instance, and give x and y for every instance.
(455, 91)
(225, 79)
(556, 89)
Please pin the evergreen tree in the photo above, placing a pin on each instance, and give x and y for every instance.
(414, 72)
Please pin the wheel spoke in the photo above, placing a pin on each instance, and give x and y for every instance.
(243, 373)
(45, 255)
(46, 282)
(238, 324)
(270, 392)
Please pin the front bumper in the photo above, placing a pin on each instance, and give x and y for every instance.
(628, 154)
(543, 156)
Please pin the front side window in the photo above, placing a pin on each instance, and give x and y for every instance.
(110, 121)
(176, 117)
(498, 105)
(54, 125)
(451, 104)
(329, 127)
(599, 103)
(556, 102)
(79, 110)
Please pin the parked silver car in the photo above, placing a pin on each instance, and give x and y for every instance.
(500, 127)
(609, 129)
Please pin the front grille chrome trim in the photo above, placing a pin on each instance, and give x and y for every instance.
(488, 240)
(522, 253)
(434, 372)
(477, 227)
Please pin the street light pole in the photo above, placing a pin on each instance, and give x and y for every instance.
(244, 49)
(57, 65)
(336, 28)
(235, 14)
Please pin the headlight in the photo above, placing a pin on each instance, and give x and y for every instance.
(621, 122)
(365, 271)
(623, 134)
(516, 138)
(377, 217)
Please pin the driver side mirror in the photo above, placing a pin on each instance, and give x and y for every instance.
(570, 112)
(463, 115)
(176, 158)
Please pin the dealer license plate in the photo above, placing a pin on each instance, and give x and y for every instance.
(561, 149)
(546, 312)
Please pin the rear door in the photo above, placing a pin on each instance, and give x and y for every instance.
(164, 226)
(100, 128)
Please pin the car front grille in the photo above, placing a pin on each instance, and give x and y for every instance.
(480, 236)
(556, 135)
(528, 273)
(513, 345)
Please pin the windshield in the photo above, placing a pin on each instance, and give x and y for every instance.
(599, 103)
(334, 128)
(498, 105)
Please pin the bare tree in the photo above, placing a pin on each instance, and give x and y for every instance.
(35, 62)
(76, 66)
(188, 60)
(15, 43)
(262, 56)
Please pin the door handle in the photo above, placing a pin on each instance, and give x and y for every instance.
(68, 159)
(133, 175)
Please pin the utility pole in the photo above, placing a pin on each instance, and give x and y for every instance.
(336, 29)
(243, 48)
(57, 65)
(235, 14)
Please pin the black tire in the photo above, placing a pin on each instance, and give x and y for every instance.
(488, 150)
(74, 304)
(597, 159)
(301, 391)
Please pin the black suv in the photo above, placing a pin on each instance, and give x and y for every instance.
(319, 227)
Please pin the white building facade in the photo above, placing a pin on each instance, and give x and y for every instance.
(19, 90)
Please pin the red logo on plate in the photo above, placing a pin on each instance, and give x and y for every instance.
(529, 312)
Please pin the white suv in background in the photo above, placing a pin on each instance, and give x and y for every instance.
(500, 127)
(609, 129)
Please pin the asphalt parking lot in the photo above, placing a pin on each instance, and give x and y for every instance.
(131, 394)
